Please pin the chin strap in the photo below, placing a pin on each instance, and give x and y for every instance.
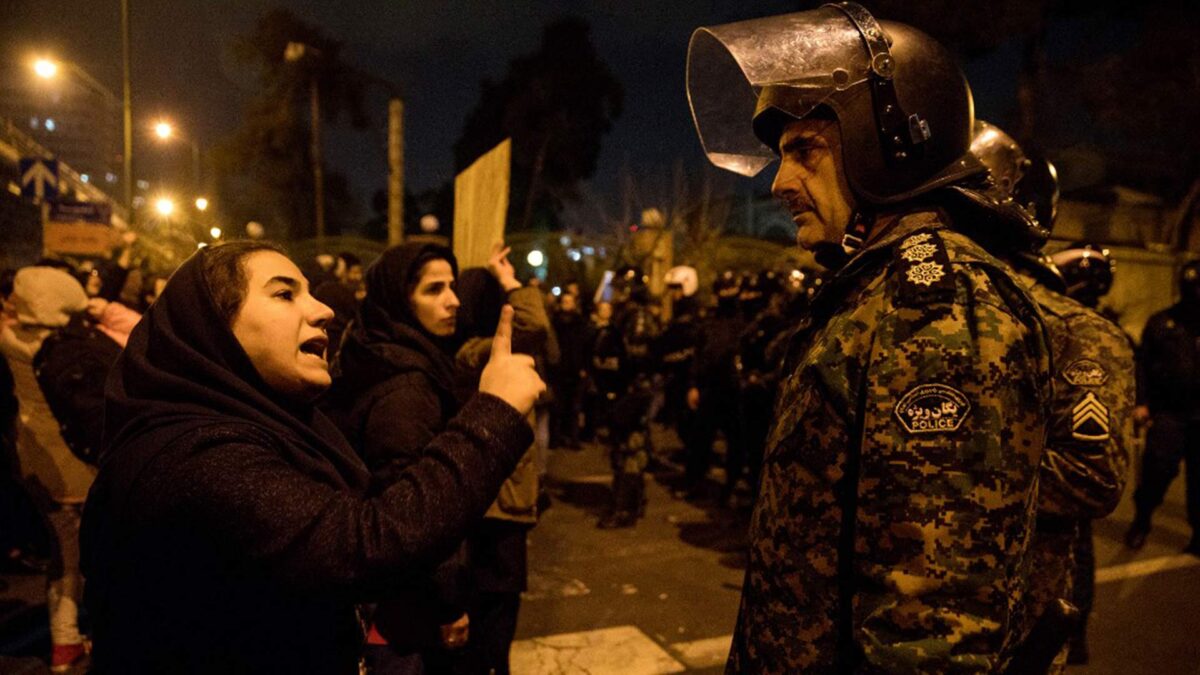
(856, 234)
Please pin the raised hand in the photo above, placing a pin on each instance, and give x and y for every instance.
(510, 377)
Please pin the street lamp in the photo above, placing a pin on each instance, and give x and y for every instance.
(165, 206)
(201, 204)
(165, 131)
(47, 69)
(215, 232)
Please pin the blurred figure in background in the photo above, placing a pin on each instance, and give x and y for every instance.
(571, 330)
(1171, 365)
(46, 299)
(497, 546)
(712, 394)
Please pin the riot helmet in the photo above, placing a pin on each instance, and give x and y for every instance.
(903, 105)
(726, 287)
(1189, 284)
(682, 279)
(1029, 182)
(1087, 269)
(629, 284)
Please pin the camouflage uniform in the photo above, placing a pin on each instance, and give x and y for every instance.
(922, 380)
(1083, 470)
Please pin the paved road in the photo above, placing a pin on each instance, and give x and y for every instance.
(663, 598)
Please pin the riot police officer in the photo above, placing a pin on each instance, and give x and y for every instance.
(898, 483)
(1084, 468)
(630, 397)
(1171, 364)
(712, 394)
(763, 304)
(677, 345)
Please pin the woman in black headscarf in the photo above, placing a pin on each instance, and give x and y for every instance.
(231, 528)
(395, 387)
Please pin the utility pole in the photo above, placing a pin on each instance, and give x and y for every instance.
(317, 168)
(395, 171)
(127, 111)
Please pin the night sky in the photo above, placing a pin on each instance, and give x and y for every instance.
(438, 52)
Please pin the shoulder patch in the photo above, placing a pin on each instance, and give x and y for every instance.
(923, 270)
(1085, 373)
(1089, 419)
(932, 408)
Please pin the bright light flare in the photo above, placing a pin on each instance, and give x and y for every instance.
(164, 205)
(535, 258)
(215, 232)
(45, 68)
(163, 130)
(201, 204)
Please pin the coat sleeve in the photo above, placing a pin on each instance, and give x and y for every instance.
(952, 433)
(304, 536)
(1091, 422)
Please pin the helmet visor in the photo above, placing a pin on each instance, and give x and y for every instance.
(787, 64)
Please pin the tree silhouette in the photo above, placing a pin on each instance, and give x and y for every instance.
(556, 104)
(266, 164)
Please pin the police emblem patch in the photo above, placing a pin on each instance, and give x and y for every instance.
(926, 273)
(1085, 373)
(932, 408)
(1089, 419)
(918, 252)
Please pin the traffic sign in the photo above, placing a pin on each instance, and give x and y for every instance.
(39, 177)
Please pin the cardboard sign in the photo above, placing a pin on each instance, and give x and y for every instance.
(481, 206)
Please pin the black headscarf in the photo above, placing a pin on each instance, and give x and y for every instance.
(389, 339)
(183, 370)
(482, 300)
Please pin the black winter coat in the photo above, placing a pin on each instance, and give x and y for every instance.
(228, 532)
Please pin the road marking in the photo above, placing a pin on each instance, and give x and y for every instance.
(620, 650)
(1140, 568)
(704, 653)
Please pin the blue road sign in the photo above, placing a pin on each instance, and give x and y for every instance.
(39, 177)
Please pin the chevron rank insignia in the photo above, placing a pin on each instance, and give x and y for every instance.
(1085, 373)
(1089, 419)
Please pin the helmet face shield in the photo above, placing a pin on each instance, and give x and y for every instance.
(790, 64)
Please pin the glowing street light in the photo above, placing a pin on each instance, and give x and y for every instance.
(164, 205)
(215, 232)
(535, 258)
(201, 204)
(45, 68)
(163, 130)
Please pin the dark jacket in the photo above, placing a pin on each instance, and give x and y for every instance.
(1170, 361)
(395, 388)
(229, 532)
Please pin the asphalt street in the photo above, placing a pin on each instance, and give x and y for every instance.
(663, 597)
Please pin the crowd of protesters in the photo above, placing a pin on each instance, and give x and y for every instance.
(269, 464)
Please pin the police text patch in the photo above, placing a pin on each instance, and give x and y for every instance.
(932, 408)
(1089, 419)
(1085, 373)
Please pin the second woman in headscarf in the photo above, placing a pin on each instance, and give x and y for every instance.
(395, 387)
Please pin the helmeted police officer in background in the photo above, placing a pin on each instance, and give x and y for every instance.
(1084, 468)
(1171, 366)
(763, 303)
(712, 393)
(898, 490)
(630, 396)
